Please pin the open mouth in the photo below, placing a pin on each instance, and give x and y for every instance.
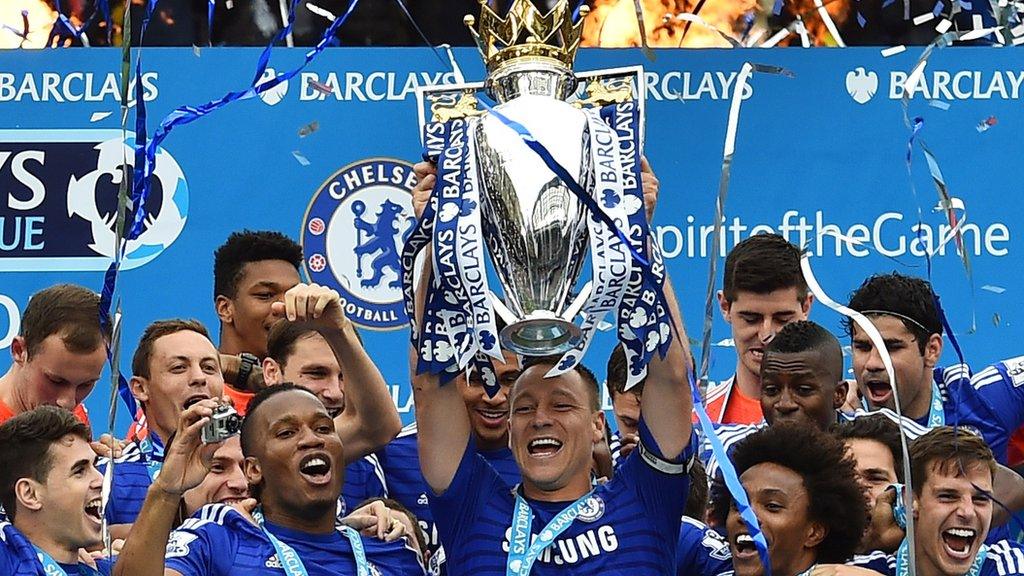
(493, 417)
(94, 510)
(544, 447)
(334, 412)
(879, 391)
(757, 353)
(316, 468)
(743, 546)
(958, 542)
(191, 400)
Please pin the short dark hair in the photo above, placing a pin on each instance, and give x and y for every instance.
(697, 499)
(807, 336)
(248, 246)
(155, 331)
(761, 264)
(284, 334)
(25, 442)
(616, 374)
(829, 476)
(247, 432)
(904, 296)
(66, 309)
(593, 387)
(952, 448)
(877, 428)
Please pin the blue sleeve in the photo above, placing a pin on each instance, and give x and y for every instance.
(701, 551)
(363, 480)
(127, 493)
(662, 494)
(878, 561)
(1002, 387)
(457, 509)
(105, 566)
(200, 548)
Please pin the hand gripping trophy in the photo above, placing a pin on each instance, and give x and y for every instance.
(548, 173)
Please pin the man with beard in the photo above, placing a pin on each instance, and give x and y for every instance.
(294, 464)
(903, 309)
(952, 472)
(50, 487)
(803, 489)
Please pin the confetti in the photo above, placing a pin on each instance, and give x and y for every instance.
(894, 50)
(320, 12)
(309, 128)
(97, 116)
(727, 343)
(993, 289)
(321, 87)
(1018, 41)
(944, 26)
(996, 319)
(926, 17)
(977, 22)
(939, 104)
(1017, 30)
(986, 124)
(195, 50)
(604, 326)
(300, 157)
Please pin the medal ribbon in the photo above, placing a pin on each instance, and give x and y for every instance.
(522, 553)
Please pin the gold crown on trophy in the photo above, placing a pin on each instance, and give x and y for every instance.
(526, 33)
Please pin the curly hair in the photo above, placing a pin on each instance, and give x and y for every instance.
(906, 296)
(248, 246)
(829, 476)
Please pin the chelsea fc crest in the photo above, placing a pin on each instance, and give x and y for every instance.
(352, 238)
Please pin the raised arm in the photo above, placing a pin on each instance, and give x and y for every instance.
(185, 465)
(370, 419)
(442, 423)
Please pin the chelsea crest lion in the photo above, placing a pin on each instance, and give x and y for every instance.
(352, 238)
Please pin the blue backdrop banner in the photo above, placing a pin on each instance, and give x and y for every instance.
(325, 158)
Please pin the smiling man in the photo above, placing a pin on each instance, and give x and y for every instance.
(59, 354)
(628, 525)
(952, 472)
(175, 365)
(903, 309)
(50, 487)
(294, 464)
(807, 501)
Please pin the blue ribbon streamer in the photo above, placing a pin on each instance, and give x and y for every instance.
(732, 481)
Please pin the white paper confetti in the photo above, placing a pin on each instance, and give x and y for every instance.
(939, 104)
(926, 17)
(97, 116)
(893, 50)
(993, 289)
(944, 26)
(300, 157)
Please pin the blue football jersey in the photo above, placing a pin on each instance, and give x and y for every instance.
(132, 477)
(1004, 558)
(701, 551)
(19, 558)
(631, 525)
(404, 482)
(364, 479)
(218, 541)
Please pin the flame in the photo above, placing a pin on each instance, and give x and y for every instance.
(612, 23)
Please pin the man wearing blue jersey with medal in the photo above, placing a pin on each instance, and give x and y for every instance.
(50, 487)
(905, 311)
(294, 464)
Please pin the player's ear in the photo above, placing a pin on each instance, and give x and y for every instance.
(725, 306)
(272, 372)
(253, 471)
(225, 308)
(599, 426)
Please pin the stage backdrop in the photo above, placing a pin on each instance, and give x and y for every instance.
(821, 152)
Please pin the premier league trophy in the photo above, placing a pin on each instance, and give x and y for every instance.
(548, 172)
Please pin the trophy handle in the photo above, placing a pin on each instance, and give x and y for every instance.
(602, 87)
(446, 102)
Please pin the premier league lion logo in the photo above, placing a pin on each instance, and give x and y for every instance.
(352, 238)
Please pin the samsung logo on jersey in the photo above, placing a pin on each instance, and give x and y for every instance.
(959, 85)
(684, 85)
(372, 87)
(72, 87)
(573, 549)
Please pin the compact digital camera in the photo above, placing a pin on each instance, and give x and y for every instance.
(224, 424)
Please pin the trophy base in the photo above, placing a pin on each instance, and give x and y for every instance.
(540, 336)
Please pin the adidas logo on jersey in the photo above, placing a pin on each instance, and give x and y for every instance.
(273, 562)
(423, 500)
